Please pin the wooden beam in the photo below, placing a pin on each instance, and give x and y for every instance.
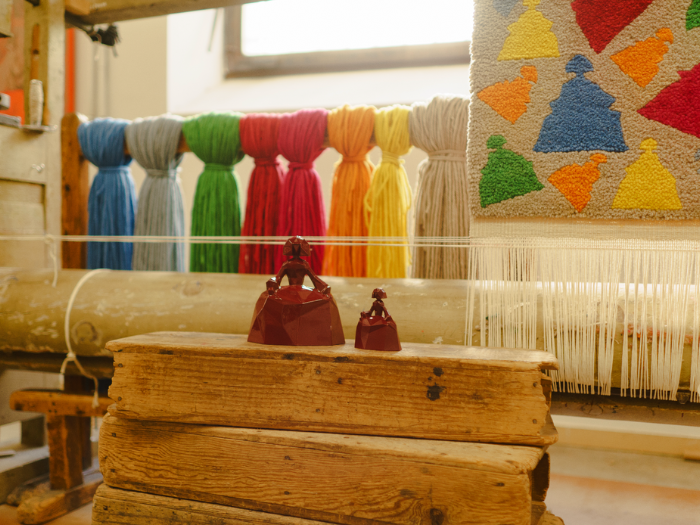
(114, 10)
(58, 403)
(79, 7)
(353, 480)
(75, 190)
(65, 452)
(100, 367)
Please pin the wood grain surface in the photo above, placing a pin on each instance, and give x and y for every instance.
(425, 391)
(337, 478)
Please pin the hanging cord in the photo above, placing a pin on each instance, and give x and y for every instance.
(389, 196)
(52, 243)
(442, 196)
(153, 144)
(112, 199)
(349, 132)
(302, 211)
(259, 140)
(215, 139)
(72, 357)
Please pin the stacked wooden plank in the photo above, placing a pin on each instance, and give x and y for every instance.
(209, 428)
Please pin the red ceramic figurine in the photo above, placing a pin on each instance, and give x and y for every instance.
(376, 330)
(296, 315)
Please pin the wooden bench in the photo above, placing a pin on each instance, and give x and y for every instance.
(72, 478)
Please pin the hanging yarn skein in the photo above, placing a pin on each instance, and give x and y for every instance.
(389, 196)
(215, 139)
(112, 199)
(442, 198)
(350, 132)
(302, 212)
(153, 144)
(259, 140)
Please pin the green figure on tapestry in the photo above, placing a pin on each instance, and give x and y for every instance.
(506, 174)
(692, 18)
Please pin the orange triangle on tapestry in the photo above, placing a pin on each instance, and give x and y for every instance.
(576, 182)
(510, 99)
(640, 60)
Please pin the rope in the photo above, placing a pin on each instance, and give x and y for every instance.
(349, 132)
(442, 197)
(153, 144)
(389, 196)
(302, 212)
(259, 140)
(112, 199)
(215, 139)
(66, 331)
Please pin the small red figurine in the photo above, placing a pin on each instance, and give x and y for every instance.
(378, 331)
(296, 315)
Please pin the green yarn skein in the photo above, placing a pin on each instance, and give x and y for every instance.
(215, 139)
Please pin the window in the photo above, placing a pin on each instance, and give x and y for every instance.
(278, 37)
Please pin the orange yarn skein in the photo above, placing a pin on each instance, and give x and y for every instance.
(349, 131)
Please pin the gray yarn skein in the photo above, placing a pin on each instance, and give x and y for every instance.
(153, 142)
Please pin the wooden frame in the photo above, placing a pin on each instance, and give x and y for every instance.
(240, 65)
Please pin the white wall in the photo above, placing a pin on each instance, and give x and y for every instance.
(165, 64)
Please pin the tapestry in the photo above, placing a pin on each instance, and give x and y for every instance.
(585, 109)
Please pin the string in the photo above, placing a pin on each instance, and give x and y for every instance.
(215, 139)
(259, 140)
(72, 357)
(389, 196)
(302, 212)
(349, 132)
(442, 197)
(153, 144)
(112, 199)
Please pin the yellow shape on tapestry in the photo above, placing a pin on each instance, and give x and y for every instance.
(510, 99)
(576, 182)
(647, 185)
(530, 36)
(640, 60)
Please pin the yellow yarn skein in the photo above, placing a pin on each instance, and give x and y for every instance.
(389, 196)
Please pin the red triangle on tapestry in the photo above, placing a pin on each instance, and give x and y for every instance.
(602, 20)
(678, 105)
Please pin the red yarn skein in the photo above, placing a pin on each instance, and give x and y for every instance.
(259, 140)
(302, 212)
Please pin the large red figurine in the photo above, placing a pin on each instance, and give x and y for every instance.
(376, 330)
(296, 315)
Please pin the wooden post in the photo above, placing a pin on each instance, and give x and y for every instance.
(65, 451)
(75, 189)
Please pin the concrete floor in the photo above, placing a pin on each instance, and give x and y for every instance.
(588, 487)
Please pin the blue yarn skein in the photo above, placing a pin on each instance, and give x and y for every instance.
(112, 200)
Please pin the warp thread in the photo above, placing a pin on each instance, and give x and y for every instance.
(389, 196)
(349, 132)
(442, 196)
(302, 212)
(112, 199)
(153, 144)
(215, 139)
(259, 140)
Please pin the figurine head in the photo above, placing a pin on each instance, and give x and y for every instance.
(296, 246)
(378, 293)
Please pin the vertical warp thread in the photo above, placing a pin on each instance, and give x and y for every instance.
(442, 197)
(153, 144)
(302, 212)
(259, 140)
(215, 139)
(389, 196)
(350, 132)
(112, 199)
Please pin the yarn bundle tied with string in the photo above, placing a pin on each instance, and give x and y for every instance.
(302, 212)
(259, 140)
(350, 132)
(112, 199)
(389, 196)
(442, 198)
(215, 139)
(153, 144)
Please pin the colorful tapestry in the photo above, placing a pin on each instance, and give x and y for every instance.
(585, 108)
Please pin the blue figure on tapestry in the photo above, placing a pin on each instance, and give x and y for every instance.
(504, 6)
(581, 118)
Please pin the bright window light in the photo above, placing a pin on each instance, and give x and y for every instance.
(278, 27)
